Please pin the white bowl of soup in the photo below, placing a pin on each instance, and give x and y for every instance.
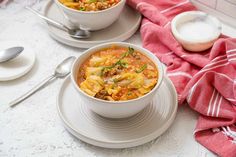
(117, 80)
(91, 14)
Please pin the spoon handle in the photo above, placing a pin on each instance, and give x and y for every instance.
(48, 19)
(32, 91)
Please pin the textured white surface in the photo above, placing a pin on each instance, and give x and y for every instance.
(33, 128)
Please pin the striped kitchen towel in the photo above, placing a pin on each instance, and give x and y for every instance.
(206, 80)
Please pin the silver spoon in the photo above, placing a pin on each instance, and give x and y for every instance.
(75, 33)
(10, 53)
(62, 70)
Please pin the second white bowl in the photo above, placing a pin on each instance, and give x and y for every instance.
(92, 20)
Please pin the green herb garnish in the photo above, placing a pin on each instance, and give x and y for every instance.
(82, 8)
(106, 68)
(129, 52)
(120, 61)
(115, 80)
(142, 68)
(129, 93)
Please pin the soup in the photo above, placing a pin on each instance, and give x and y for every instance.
(117, 74)
(89, 5)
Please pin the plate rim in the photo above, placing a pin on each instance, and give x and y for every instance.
(117, 144)
(88, 44)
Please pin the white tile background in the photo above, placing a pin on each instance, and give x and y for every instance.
(225, 10)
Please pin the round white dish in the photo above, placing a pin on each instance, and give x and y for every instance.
(196, 30)
(92, 20)
(123, 28)
(116, 109)
(117, 133)
(20, 65)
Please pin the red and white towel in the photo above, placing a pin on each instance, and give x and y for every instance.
(206, 80)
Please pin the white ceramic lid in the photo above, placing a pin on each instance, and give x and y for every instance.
(117, 133)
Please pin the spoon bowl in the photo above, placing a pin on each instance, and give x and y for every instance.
(64, 68)
(79, 34)
(10, 53)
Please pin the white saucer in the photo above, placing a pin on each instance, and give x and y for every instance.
(122, 29)
(20, 65)
(121, 133)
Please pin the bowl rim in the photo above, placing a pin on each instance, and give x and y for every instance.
(153, 58)
(176, 33)
(89, 12)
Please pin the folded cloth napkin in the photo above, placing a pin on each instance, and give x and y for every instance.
(206, 80)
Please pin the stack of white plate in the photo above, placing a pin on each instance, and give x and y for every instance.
(117, 133)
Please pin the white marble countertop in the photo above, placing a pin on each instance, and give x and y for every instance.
(34, 128)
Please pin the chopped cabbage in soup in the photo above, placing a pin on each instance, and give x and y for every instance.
(117, 74)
